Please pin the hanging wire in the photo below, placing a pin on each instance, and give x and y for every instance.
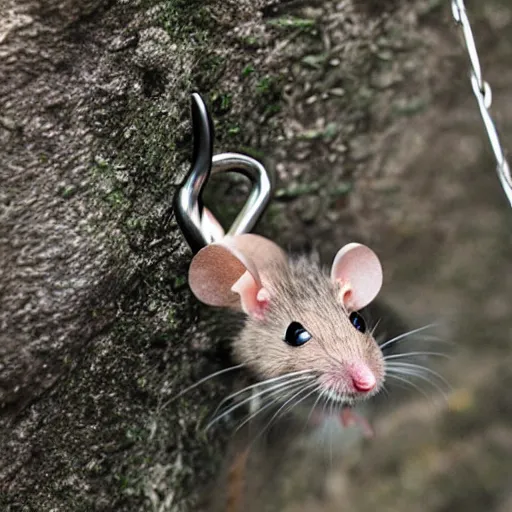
(483, 95)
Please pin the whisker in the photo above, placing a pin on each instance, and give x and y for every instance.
(326, 404)
(272, 402)
(410, 354)
(324, 414)
(405, 335)
(320, 395)
(315, 387)
(424, 368)
(385, 389)
(338, 406)
(315, 390)
(263, 383)
(372, 331)
(201, 381)
(332, 402)
(409, 383)
(412, 373)
(432, 337)
(331, 435)
(251, 397)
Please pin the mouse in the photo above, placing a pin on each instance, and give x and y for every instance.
(301, 321)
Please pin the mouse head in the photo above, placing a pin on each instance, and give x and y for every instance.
(301, 321)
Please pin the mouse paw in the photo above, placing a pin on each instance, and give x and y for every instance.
(349, 418)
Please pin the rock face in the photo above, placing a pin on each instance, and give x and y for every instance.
(95, 316)
(98, 329)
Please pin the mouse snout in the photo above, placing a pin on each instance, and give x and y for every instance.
(362, 377)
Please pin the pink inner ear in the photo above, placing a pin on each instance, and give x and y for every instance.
(253, 298)
(346, 295)
(359, 272)
(214, 270)
(226, 273)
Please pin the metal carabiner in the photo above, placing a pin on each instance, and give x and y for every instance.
(198, 225)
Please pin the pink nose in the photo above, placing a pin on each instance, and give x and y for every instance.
(363, 378)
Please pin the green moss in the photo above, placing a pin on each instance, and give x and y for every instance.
(221, 102)
(327, 133)
(340, 189)
(292, 22)
(186, 19)
(180, 281)
(68, 191)
(297, 190)
(171, 317)
(265, 85)
(410, 107)
(116, 199)
(251, 42)
(315, 61)
(248, 70)
(256, 153)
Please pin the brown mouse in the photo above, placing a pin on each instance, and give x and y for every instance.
(300, 320)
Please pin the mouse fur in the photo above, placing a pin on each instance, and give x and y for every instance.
(302, 291)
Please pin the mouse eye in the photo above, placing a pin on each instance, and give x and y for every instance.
(296, 335)
(357, 321)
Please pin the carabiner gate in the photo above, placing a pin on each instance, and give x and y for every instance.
(197, 223)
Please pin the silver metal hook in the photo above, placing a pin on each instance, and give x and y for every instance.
(200, 228)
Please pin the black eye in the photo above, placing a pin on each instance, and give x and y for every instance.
(357, 321)
(296, 335)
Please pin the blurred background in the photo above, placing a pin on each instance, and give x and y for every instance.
(428, 200)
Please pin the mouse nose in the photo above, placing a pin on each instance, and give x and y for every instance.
(363, 378)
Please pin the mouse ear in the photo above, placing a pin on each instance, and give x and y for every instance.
(226, 273)
(262, 251)
(357, 268)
